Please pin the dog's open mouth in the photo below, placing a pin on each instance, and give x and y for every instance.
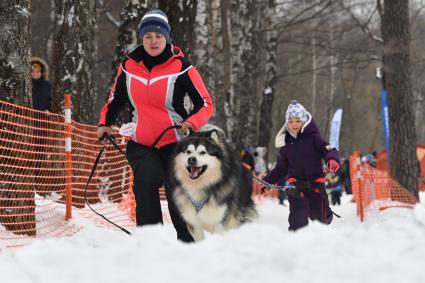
(196, 172)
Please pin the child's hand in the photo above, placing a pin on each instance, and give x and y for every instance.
(333, 165)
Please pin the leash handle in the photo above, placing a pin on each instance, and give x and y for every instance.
(111, 139)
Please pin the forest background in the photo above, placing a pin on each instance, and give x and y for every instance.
(255, 57)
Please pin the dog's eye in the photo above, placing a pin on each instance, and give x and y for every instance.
(188, 152)
(203, 152)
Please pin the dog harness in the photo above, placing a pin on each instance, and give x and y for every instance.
(199, 204)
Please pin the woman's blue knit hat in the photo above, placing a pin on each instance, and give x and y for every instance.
(155, 21)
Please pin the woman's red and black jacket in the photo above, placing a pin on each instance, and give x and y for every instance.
(156, 97)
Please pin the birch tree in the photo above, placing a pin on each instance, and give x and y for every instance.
(15, 82)
(227, 89)
(181, 17)
(128, 35)
(17, 203)
(265, 117)
(208, 57)
(73, 57)
(242, 19)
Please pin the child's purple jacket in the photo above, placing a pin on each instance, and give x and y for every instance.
(301, 157)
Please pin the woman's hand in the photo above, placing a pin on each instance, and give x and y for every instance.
(102, 130)
(185, 127)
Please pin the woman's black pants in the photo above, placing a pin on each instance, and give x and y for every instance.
(149, 170)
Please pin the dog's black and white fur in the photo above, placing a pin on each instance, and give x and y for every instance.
(211, 188)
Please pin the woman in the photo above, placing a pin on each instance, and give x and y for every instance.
(41, 87)
(153, 80)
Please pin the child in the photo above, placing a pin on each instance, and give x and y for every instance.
(300, 160)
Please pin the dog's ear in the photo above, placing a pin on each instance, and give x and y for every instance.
(215, 136)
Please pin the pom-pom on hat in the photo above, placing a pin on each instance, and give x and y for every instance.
(155, 21)
(296, 110)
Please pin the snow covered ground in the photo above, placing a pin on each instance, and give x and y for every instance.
(388, 247)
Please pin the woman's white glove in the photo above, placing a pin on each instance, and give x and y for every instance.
(128, 130)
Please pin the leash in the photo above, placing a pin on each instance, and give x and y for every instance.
(110, 138)
(281, 188)
(273, 187)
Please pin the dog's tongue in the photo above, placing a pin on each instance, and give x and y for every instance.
(194, 171)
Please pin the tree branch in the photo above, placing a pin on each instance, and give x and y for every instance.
(109, 16)
(305, 71)
(112, 20)
(364, 27)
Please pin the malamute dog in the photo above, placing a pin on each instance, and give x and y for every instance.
(211, 188)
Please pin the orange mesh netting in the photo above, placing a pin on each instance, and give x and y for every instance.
(381, 164)
(373, 189)
(34, 176)
(42, 185)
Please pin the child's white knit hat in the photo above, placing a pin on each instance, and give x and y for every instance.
(296, 110)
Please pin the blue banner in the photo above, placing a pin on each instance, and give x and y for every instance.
(335, 128)
(385, 121)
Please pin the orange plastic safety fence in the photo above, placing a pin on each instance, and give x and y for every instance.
(382, 164)
(374, 190)
(33, 176)
(35, 171)
(109, 191)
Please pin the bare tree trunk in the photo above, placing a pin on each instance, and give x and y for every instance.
(333, 61)
(266, 107)
(17, 202)
(151, 4)
(227, 89)
(15, 30)
(128, 38)
(50, 40)
(206, 54)
(419, 102)
(41, 31)
(396, 34)
(420, 116)
(128, 35)
(314, 75)
(181, 17)
(243, 66)
(73, 57)
(348, 128)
